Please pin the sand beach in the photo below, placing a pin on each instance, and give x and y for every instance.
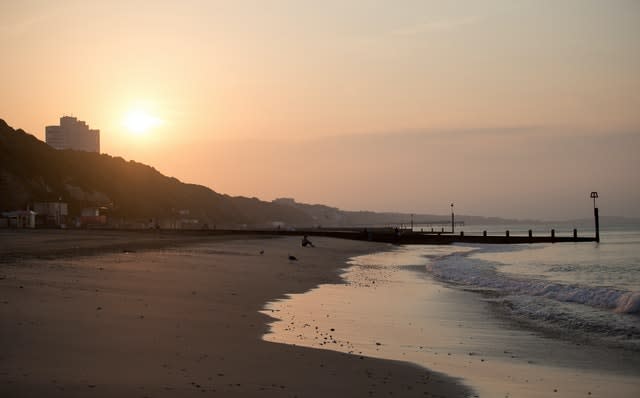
(149, 314)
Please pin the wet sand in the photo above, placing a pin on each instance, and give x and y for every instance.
(397, 312)
(93, 313)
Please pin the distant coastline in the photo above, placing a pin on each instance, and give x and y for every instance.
(82, 188)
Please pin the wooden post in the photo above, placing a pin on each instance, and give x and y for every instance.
(530, 233)
(595, 214)
(506, 233)
(452, 220)
(484, 233)
(594, 196)
(575, 233)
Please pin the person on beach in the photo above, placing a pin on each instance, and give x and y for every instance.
(306, 242)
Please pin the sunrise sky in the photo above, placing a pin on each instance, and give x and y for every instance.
(507, 108)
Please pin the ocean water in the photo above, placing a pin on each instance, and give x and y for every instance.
(506, 320)
(577, 290)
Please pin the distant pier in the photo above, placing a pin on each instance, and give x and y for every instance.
(380, 234)
(408, 237)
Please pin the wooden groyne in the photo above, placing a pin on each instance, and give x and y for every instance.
(377, 234)
(407, 237)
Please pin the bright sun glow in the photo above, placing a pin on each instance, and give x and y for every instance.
(139, 122)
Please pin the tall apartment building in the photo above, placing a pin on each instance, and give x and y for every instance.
(73, 134)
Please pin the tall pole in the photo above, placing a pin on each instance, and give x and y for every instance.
(595, 214)
(452, 220)
(412, 222)
(594, 195)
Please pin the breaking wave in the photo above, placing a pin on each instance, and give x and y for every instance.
(605, 314)
(460, 269)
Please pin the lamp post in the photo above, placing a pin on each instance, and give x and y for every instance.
(452, 219)
(594, 196)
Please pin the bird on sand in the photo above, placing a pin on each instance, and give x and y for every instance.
(261, 252)
(292, 258)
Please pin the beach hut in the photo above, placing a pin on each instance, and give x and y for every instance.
(21, 218)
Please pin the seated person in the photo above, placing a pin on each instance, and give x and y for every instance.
(306, 242)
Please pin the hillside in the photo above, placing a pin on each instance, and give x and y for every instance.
(31, 171)
(331, 216)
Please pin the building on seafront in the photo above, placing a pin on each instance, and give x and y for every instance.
(73, 134)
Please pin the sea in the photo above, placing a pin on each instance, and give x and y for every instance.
(521, 320)
(573, 290)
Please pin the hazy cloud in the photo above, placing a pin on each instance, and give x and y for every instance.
(18, 25)
(437, 25)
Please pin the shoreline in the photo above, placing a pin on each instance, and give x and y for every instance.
(583, 317)
(401, 312)
(114, 315)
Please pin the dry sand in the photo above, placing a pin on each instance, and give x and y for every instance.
(90, 313)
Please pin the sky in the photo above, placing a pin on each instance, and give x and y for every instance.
(506, 108)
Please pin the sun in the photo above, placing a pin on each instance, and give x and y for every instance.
(139, 122)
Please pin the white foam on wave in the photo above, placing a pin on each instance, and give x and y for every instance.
(459, 268)
(629, 303)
